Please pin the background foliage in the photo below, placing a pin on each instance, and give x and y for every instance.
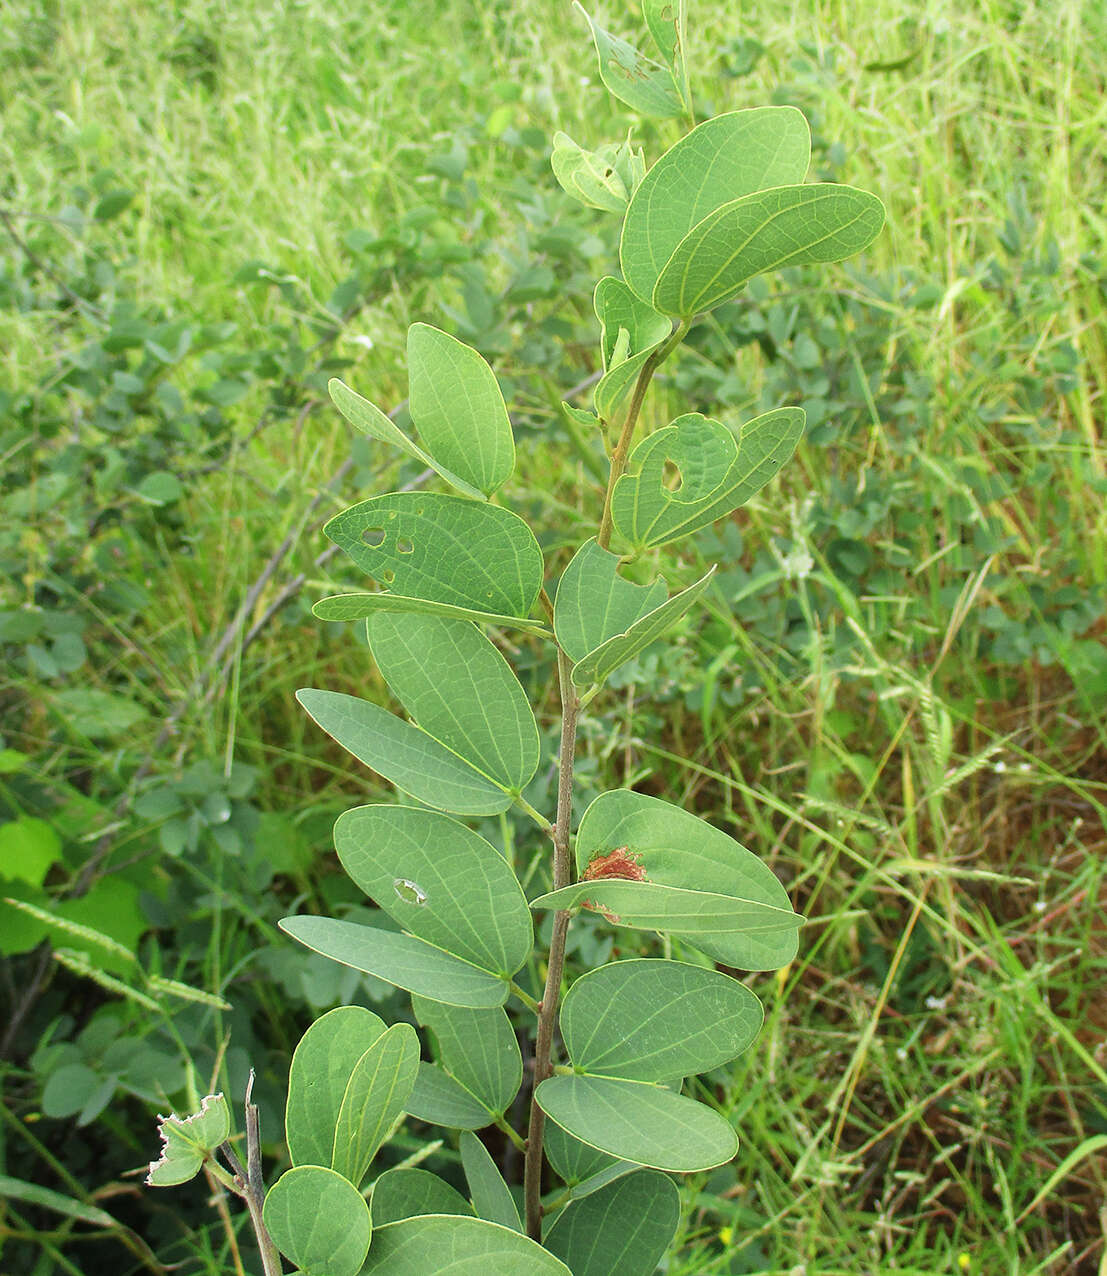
(895, 696)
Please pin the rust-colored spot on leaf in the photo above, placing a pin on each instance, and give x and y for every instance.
(619, 863)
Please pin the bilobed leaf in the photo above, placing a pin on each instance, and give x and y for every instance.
(719, 472)
(674, 848)
(639, 1122)
(187, 1141)
(408, 1192)
(440, 1100)
(594, 603)
(377, 1090)
(573, 1160)
(478, 1048)
(656, 1020)
(405, 754)
(719, 161)
(370, 420)
(490, 1195)
(623, 1229)
(458, 408)
(402, 960)
(639, 81)
(322, 1065)
(441, 882)
(445, 549)
(461, 691)
(361, 606)
(787, 226)
(319, 1220)
(621, 312)
(459, 1246)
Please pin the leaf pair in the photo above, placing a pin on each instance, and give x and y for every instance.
(465, 925)
(676, 873)
(727, 203)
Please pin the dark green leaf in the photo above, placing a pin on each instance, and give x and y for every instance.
(459, 1246)
(407, 1193)
(623, 1229)
(319, 1220)
(491, 1198)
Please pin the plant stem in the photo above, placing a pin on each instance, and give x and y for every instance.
(622, 447)
(532, 1177)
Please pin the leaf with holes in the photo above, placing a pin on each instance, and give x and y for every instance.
(375, 1096)
(788, 226)
(665, 20)
(370, 420)
(489, 1193)
(443, 549)
(639, 81)
(719, 161)
(188, 1141)
(478, 1049)
(639, 1122)
(627, 319)
(622, 1229)
(458, 409)
(319, 1220)
(461, 691)
(719, 471)
(408, 1192)
(460, 1246)
(405, 754)
(402, 960)
(656, 1020)
(322, 1065)
(604, 178)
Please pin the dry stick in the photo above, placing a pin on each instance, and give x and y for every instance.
(562, 874)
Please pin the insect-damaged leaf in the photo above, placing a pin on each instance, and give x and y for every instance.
(637, 80)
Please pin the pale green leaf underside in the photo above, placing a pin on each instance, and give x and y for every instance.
(786, 226)
(656, 1020)
(440, 1100)
(719, 161)
(573, 1160)
(452, 1246)
(589, 176)
(370, 420)
(456, 685)
(375, 1096)
(405, 754)
(445, 549)
(634, 78)
(599, 664)
(639, 1122)
(319, 1220)
(719, 473)
(322, 1065)
(402, 960)
(594, 603)
(676, 848)
(409, 1192)
(478, 1048)
(441, 882)
(489, 1193)
(458, 408)
(362, 606)
(622, 1229)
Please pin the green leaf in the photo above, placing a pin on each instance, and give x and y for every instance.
(319, 1220)
(43, 1198)
(445, 549)
(408, 1192)
(623, 1229)
(788, 226)
(370, 420)
(657, 1020)
(459, 1246)
(322, 1065)
(630, 331)
(405, 754)
(643, 84)
(639, 1122)
(478, 1048)
(28, 847)
(490, 1195)
(675, 848)
(594, 603)
(719, 161)
(442, 883)
(573, 1160)
(461, 691)
(99, 715)
(187, 1141)
(666, 22)
(604, 178)
(361, 606)
(375, 1097)
(398, 959)
(440, 1100)
(458, 409)
(719, 472)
